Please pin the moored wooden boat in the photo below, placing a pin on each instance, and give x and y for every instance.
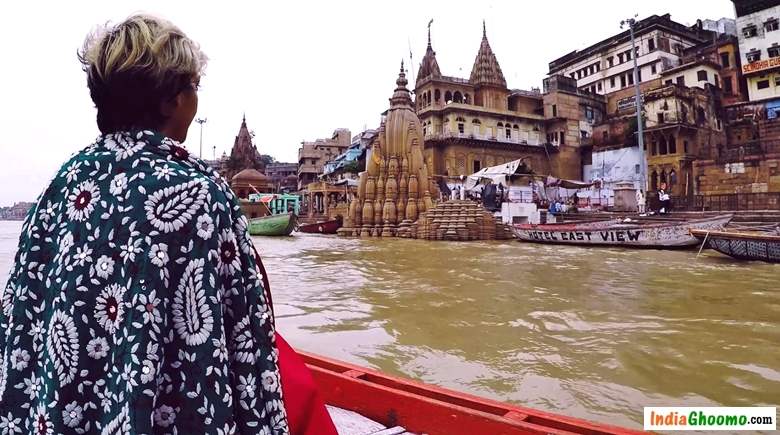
(326, 227)
(273, 225)
(653, 233)
(742, 245)
(424, 409)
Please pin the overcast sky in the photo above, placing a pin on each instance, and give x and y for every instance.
(298, 69)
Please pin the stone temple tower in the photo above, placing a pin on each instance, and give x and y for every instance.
(396, 186)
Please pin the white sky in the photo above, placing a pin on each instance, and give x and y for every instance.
(298, 69)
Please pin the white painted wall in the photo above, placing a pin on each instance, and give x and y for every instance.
(614, 166)
(763, 40)
(692, 78)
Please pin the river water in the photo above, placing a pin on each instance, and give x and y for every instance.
(596, 333)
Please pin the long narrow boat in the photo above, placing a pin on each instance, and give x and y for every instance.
(407, 407)
(274, 225)
(627, 233)
(326, 227)
(742, 245)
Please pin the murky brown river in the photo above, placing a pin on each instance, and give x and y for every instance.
(593, 333)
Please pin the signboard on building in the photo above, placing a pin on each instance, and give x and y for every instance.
(761, 65)
(628, 103)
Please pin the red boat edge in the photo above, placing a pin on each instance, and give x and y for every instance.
(431, 410)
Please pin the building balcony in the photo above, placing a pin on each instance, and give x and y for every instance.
(309, 169)
(499, 139)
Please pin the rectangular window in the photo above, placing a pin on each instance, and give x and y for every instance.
(660, 117)
(651, 44)
(727, 85)
(589, 113)
(630, 78)
(612, 82)
(622, 81)
(461, 128)
(701, 75)
(562, 136)
(508, 133)
(598, 86)
(668, 82)
(477, 165)
(610, 62)
(573, 75)
(771, 25)
(555, 111)
(725, 60)
(717, 80)
(593, 89)
(620, 58)
(777, 80)
(685, 146)
(681, 80)
(773, 51)
(749, 31)
(653, 69)
(762, 84)
(598, 67)
(628, 55)
(639, 74)
(753, 56)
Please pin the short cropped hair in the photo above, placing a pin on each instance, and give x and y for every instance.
(134, 66)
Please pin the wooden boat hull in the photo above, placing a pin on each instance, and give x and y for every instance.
(425, 409)
(327, 227)
(274, 225)
(616, 233)
(742, 246)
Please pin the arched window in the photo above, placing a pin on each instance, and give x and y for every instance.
(654, 181)
(466, 99)
(672, 145)
(461, 125)
(500, 125)
(672, 178)
(428, 97)
(663, 176)
(663, 146)
(436, 95)
(447, 97)
(476, 124)
(457, 98)
(654, 147)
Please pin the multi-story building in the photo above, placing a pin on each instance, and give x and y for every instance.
(312, 156)
(284, 176)
(478, 122)
(758, 26)
(607, 66)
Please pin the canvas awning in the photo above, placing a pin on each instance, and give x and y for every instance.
(497, 174)
(566, 184)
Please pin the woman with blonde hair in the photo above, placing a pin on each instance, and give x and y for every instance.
(135, 304)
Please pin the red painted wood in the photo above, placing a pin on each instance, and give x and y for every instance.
(433, 410)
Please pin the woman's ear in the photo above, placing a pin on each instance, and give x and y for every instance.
(168, 107)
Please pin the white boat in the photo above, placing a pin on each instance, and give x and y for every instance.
(634, 233)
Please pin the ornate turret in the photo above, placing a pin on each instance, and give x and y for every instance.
(428, 66)
(486, 71)
(388, 189)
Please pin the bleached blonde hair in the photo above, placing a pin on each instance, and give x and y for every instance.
(135, 65)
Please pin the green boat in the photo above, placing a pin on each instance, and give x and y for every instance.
(274, 225)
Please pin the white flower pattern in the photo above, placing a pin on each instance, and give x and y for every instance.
(135, 278)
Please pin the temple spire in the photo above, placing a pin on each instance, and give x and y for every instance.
(486, 70)
(428, 66)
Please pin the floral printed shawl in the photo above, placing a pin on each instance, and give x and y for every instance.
(135, 304)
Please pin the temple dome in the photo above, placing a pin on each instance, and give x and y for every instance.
(249, 175)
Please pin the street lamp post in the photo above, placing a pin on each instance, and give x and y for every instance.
(631, 22)
(201, 121)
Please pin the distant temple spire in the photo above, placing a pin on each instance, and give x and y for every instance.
(486, 70)
(428, 66)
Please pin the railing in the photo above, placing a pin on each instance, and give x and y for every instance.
(730, 202)
(500, 138)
